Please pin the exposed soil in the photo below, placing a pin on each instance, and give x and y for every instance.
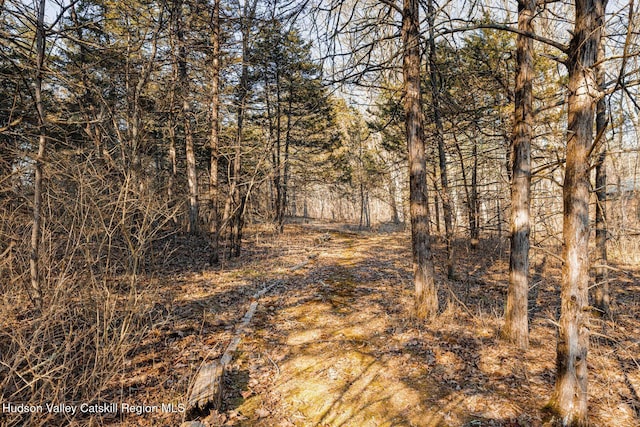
(334, 342)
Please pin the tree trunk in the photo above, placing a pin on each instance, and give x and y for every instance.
(436, 200)
(214, 141)
(278, 154)
(286, 166)
(36, 232)
(569, 400)
(192, 174)
(516, 327)
(393, 201)
(362, 208)
(468, 192)
(601, 291)
(444, 180)
(173, 173)
(426, 298)
(475, 205)
(234, 206)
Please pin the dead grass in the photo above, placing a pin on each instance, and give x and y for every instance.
(334, 344)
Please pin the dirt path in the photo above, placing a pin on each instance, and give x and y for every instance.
(327, 345)
(334, 343)
(338, 348)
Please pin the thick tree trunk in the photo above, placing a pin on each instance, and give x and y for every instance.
(36, 232)
(426, 298)
(214, 140)
(569, 400)
(447, 206)
(516, 327)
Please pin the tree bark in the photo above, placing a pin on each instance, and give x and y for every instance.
(192, 174)
(474, 220)
(36, 231)
(286, 167)
(601, 291)
(569, 400)
(470, 191)
(426, 297)
(235, 202)
(278, 153)
(447, 207)
(214, 141)
(516, 327)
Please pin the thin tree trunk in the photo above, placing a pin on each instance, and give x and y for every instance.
(361, 223)
(601, 291)
(516, 327)
(192, 174)
(173, 173)
(286, 166)
(475, 205)
(426, 297)
(444, 180)
(236, 200)
(36, 232)
(393, 190)
(499, 218)
(467, 191)
(436, 200)
(569, 400)
(214, 141)
(278, 153)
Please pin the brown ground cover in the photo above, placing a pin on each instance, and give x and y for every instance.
(334, 343)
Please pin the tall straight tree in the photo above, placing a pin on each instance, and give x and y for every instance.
(235, 200)
(36, 231)
(442, 157)
(426, 297)
(192, 175)
(214, 140)
(516, 328)
(601, 292)
(569, 399)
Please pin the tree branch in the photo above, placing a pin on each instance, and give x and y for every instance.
(562, 47)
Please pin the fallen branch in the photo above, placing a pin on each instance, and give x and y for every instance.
(207, 387)
(302, 264)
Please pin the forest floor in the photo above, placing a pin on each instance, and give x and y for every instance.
(333, 343)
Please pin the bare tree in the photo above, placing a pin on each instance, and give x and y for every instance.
(426, 298)
(181, 59)
(516, 328)
(601, 293)
(36, 231)
(214, 140)
(569, 399)
(447, 205)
